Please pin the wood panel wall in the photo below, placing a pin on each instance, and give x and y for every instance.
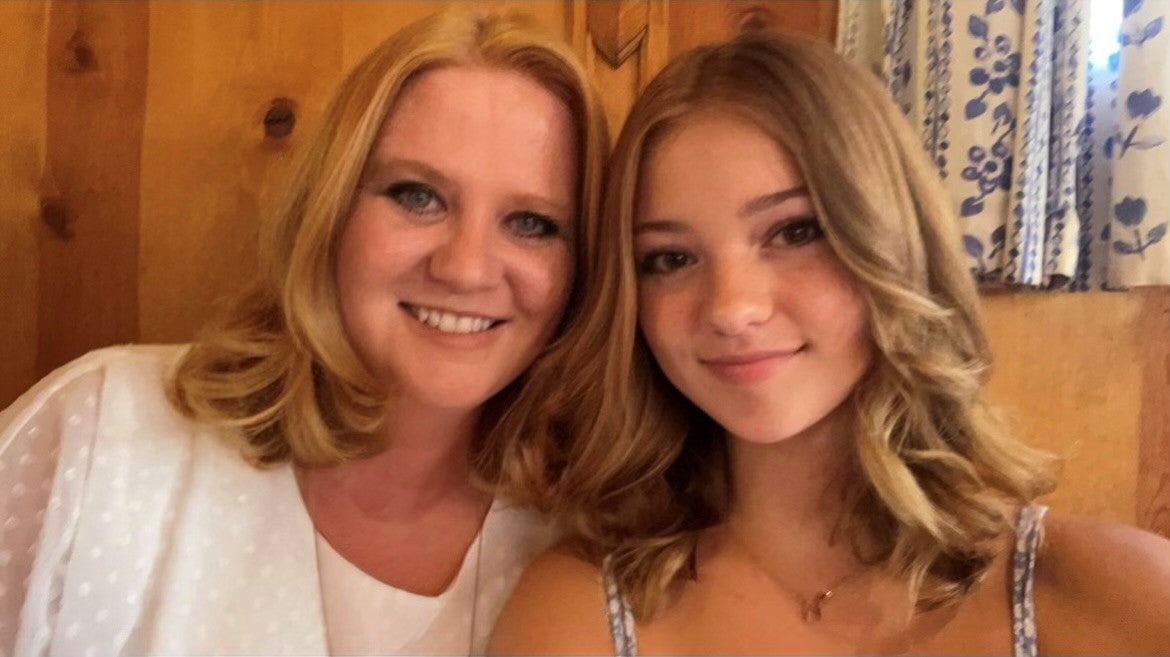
(139, 140)
(23, 30)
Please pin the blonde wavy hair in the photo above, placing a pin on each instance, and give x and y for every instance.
(635, 471)
(277, 369)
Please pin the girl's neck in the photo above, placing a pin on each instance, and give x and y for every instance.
(788, 499)
(795, 484)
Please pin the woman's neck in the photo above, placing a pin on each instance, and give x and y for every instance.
(424, 461)
(408, 514)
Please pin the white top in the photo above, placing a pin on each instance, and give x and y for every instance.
(367, 617)
(128, 529)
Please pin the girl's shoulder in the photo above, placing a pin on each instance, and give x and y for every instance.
(1102, 588)
(557, 608)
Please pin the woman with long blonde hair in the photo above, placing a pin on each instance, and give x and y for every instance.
(319, 472)
(789, 450)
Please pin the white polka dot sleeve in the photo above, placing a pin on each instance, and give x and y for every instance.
(46, 440)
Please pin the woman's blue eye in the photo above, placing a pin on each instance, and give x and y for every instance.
(663, 262)
(797, 232)
(530, 224)
(416, 197)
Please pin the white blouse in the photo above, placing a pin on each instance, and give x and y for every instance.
(367, 617)
(128, 529)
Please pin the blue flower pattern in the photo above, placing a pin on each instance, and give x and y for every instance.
(989, 167)
(1139, 106)
(1142, 32)
(1052, 157)
(1136, 227)
(1131, 212)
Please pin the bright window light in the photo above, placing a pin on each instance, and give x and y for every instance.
(1104, 32)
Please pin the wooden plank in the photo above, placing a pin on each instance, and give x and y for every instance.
(618, 28)
(1069, 373)
(366, 24)
(619, 87)
(697, 22)
(623, 45)
(1153, 483)
(88, 239)
(817, 18)
(217, 70)
(24, 28)
(655, 53)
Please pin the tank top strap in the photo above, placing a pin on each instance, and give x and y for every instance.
(620, 615)
(1029, 530)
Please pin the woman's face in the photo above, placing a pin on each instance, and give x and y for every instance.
(747, 309)
(456, 262)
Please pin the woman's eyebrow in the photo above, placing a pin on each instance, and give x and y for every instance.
(379, 168)
(771, 200)
(543, 204)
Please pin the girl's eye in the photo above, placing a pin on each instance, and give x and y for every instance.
(797, 232)
(531, 224)
(659, 263)
(416, 197)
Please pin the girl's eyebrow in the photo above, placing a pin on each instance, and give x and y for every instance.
(771, 200)
(751, 207)
(662, 226)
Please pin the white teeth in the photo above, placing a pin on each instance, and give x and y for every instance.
(450, 322)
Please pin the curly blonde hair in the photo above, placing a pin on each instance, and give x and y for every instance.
(636, 471)
(277, 368)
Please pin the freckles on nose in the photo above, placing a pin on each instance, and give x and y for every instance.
(736, 300)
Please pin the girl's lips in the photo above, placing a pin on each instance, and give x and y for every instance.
(748, 367)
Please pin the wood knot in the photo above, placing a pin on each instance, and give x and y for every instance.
(55, 216)
(280, 119)
(753, 19)
(81, 55)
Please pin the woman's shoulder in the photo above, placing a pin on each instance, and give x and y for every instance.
(1101, 588)
(558, 607)
(100, 406)
(130, 360)
(140, 369)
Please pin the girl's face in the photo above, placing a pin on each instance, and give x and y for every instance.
(456, 262)
(747, 309)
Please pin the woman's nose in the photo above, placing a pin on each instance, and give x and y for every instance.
(465, 259)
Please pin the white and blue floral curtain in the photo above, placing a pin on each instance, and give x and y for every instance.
(1052, 142)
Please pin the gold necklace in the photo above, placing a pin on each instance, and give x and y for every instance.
(811, 606)
(475, 589)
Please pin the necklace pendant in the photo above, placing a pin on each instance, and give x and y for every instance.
(811, 610)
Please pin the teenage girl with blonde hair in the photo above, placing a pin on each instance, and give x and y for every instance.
(786, 447)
